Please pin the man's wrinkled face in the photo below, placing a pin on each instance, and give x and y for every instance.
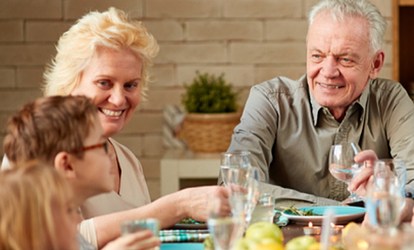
(339, 61)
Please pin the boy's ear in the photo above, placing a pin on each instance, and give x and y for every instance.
(63, 164)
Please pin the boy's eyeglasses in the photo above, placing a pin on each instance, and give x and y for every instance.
(104, 145)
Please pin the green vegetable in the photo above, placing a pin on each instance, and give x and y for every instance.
(190, 221)
(295, 211)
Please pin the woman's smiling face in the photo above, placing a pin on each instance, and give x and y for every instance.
(113, 81)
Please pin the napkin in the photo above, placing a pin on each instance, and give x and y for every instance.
(182, 235)
(279, 219)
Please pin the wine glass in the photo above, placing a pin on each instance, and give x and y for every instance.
(342, 165)
(386, 198)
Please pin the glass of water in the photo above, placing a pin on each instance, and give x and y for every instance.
(231, 160)
(385, 199)
(264, 210)
(225, 231)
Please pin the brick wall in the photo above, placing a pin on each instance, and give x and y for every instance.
(248, 40)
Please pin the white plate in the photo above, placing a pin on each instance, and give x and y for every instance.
(343, 214)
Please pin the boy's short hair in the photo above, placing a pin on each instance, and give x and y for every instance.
(47, 126)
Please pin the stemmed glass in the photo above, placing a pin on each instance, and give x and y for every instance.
(342, 165)
(385, 198)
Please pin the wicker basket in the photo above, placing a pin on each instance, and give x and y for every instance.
(209, 133)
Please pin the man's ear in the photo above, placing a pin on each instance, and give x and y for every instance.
(377, 64)
(63, 164)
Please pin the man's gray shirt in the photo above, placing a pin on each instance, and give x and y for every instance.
(290, 134)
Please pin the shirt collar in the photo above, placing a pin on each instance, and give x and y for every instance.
(361, 101)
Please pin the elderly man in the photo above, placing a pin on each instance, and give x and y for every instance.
(290, 125)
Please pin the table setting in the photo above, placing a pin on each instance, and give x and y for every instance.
(257, 223)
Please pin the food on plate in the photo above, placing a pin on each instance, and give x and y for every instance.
(189, 221)
(301, 212)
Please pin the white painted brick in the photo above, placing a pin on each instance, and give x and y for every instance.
(153, 145)
(263, 8)
(11, 31)
(183, 8)
(386, 72)
(388, 53)
(192, 53)
(158, 98)
(25, 54)
(286, 30)
(163, 75)
(384, 7)
(7, 77)
(45, 30)
(264, 73)
(45, 9)
(30, 77)
(133, 142)
(224, 30)
(166, 30)
(74, 9)
(293, 52)
(12, 100)
(242, 75)
(144, 123)
(154, 188)
(151, 166)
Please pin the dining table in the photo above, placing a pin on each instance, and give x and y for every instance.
(290, 231)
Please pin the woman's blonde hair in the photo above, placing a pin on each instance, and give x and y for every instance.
(28, 195)
(76, 47)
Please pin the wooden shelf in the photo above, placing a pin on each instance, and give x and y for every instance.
(406, 2)
(403, 41)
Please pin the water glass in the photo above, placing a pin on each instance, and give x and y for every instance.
(385, 198)
(231, 160)
(225, 231)
(136, 225)
(264, 210)
(244, 192)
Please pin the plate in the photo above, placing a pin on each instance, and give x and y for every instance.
(343, 214)
(182, 245)
(190, 226)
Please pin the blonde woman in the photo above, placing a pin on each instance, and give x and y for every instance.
(106, 56)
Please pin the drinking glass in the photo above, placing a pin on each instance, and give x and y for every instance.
(342, 165)
(243, 184)
(225, 231)
(235, 159)
(385, 199)
(133, 226)
(397, 168)
(264, 210)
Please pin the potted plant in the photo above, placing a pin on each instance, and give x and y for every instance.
(212, 113)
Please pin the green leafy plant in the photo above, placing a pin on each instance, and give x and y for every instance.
(209, 94)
